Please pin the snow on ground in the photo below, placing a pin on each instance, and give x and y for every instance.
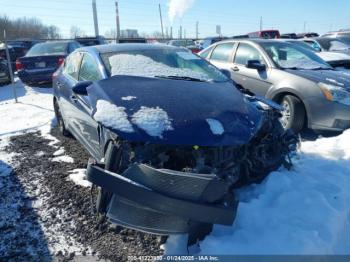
(78, 176)
(302, 211)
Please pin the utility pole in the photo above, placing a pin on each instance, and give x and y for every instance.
(8, 58)
(197, 31)
(161, 20)
(171, 32)
(261, 23)
(180, 33)
(94, 11)
(185, 33)
(304, 27)
(117, 21)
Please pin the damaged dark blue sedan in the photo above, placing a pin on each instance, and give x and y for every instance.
(169, 134)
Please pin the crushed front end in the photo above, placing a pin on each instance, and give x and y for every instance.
(168, 189)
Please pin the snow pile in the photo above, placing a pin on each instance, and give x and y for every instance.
(215, 126)
(112, 116)
(33, 111)
(139, 65)
(302, 211)
(154, 121)
(78, 176)
(64, 158)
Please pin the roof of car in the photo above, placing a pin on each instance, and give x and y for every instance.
(125, 47)
(253, 40)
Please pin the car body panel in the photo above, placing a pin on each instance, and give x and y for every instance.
(188, 105)
(275, 82)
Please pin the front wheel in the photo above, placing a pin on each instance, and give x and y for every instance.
(293, 115)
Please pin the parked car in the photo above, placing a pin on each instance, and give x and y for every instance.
(329, 44)
(268, 34)
(307, 35)
(12, 54)
(4, 73)
(42, 60)
(311, 91)
(208, 41)
(169, 135)
(140, 40)
(187, 43)
(339, 33)
(91, 41)
(337, 60)
(21, 46)
(289, 36)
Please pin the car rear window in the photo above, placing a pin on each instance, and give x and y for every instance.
(48, 49)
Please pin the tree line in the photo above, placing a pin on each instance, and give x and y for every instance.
(25, 27)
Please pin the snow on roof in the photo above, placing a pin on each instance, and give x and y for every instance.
(154, 121)
(140, 65)
(215, 126)
(112, 116)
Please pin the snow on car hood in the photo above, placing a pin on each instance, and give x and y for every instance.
(174, 112)
(333, 56)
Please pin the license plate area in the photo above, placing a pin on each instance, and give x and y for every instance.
(40, 64)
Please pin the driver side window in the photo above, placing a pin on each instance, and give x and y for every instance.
(246, 52)
(89, 69)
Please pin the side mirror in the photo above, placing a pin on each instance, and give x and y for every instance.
(255, 64)
(80, 88)
(226, 73)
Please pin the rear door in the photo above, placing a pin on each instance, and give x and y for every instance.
(256, 81)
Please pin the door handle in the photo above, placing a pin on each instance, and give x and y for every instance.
(74, 98)
(235, 68)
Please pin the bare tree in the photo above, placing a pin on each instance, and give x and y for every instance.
(76, 31)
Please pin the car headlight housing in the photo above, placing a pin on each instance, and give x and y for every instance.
(335, 93)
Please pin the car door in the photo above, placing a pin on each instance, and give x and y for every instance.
(222, 55)
(64, 84)
(84, 124)
(257, 81)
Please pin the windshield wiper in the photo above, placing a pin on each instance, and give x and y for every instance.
(186, 78)
(322, 68)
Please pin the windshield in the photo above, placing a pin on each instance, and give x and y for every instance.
(48, 49)
(290, 56)
(332, 44)
(161, 63)
(303, 45)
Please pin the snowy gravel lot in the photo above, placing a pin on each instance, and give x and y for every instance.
(45, 205)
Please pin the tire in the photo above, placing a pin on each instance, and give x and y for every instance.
(115, 162)
(60, 120)
(293, 116)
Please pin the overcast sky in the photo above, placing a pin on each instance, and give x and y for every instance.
(234, 16)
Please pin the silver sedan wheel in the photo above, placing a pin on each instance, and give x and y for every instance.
(286, 114)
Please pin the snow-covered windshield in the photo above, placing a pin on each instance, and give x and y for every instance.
(290, 56)
(172, 63)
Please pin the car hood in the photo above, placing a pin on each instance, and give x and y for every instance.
(333, 56)
(332, 77)
(177, 112)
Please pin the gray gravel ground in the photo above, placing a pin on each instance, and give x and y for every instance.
(45, 216)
